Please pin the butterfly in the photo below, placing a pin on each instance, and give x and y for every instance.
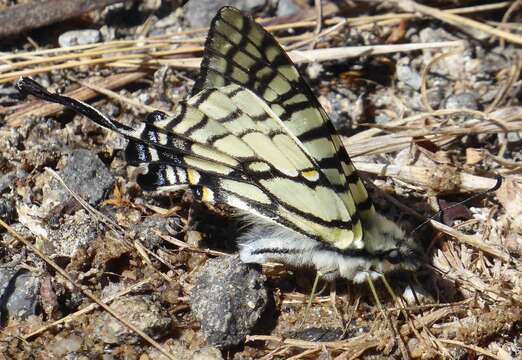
(254, 137)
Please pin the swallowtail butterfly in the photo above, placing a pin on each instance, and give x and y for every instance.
(254, 137)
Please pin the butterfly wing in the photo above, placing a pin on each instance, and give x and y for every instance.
(252, 136)
(240, 51)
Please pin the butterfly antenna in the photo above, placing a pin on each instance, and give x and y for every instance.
(310, 299)
(494, 188)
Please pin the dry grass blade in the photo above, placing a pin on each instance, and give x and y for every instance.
(473, 241)
(358, 343)
(513, 76)
(368, 142)
(356, 51)
(121, 99)
(459, 21)
(475, 348)
(512, 8)
(184, 245)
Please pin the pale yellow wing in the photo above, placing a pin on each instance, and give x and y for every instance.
(239, 51)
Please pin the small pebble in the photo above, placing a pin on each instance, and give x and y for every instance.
(464, 100)
(62, 346)
(207, 353)
(18, 292)
(199, 13)
(7, 210)
(79, 37)
(86, 175)
(435, 35)
(409, 76)
(287, 8)
(514, 137)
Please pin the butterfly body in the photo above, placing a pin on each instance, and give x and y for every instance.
(254, 137)
(386, 249)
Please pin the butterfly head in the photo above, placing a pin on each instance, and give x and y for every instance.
(386, 241)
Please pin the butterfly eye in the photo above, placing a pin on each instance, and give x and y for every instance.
(393, 256)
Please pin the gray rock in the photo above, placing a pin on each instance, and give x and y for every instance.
(434, 35)
(79, 37)
(7, 210)
(381, 118)
(409, 76)
(514, 137)
(200, 13)
(141, 311)
(464, 100)
(228, 299)
(18, 293)
(287, 8)
(86, 175)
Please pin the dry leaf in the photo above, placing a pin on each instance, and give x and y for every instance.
(474, 156)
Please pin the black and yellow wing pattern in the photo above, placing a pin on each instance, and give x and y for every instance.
(239, 51)
(253, 136)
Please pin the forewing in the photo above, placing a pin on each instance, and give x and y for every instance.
(279, 165)
(240, 51)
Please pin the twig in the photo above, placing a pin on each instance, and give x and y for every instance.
(433, 178)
